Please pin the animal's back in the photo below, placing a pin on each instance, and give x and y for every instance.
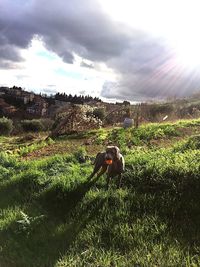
(99, 160)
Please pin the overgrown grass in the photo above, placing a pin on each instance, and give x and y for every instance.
(51, 214)
(24, 150)
(152, 131)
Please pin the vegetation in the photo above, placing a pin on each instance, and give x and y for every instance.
(52, 215)
(17, 103)
(75, 99)
(24, 150)
(47, 124)
(32, 125)
(99, 113)
(75, 119)
(6, 126)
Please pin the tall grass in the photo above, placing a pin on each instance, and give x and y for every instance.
(51, 214)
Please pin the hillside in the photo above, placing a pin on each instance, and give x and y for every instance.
(52, 215)
(18, 104)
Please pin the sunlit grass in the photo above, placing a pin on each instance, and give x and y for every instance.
(52, 215)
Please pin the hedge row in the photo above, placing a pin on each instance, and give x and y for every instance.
(35, 125)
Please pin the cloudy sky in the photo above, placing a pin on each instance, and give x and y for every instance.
(124, 49)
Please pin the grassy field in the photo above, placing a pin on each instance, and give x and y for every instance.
(52, 215)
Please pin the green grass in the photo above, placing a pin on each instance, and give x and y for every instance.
(24, 150)
(52, 215)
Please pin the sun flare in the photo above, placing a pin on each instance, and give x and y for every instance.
(176, 21)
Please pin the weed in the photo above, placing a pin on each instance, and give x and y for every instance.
(27, 224)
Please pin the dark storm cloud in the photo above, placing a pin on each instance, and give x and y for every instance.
(10, 53)
(67, 57)
(144, 65)
(78, 25)
(81, 27)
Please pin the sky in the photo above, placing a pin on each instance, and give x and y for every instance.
(132, 50)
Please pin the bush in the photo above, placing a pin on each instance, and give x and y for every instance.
(32, 125)
(156, 109)
(81, 154)
(99, 113)
(47, 124)
(17, 128)
(6, 126)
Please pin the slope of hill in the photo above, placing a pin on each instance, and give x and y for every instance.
(52, 215)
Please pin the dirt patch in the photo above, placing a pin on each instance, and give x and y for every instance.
(63, 147)
(187, 131)
(69, 146)
(183, 134)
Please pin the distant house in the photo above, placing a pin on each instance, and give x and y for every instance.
(21, 95)
(4, 88)
(39, 108)
(9, 109)
(15, 91)
(2, 93)
(27, 97)
(6, 108)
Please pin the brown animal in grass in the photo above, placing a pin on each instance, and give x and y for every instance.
(111, 161)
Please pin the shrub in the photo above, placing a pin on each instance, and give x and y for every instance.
(75, 119)
(32, 125)
(81, 154)
(47, 124)
(156, 109)
(17, 128)
(6, 126)
(99, 113)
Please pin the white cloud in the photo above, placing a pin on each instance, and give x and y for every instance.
(129, 48)
(42, 67)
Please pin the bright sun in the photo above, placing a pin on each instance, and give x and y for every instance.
(177, 21)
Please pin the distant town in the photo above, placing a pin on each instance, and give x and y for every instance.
(18, 103)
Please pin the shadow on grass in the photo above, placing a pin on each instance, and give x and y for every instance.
(42, 244)
(68, 212)
(20, 191)
(59, 202)
(179, 207)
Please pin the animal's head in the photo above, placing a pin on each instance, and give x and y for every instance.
(112, 153)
